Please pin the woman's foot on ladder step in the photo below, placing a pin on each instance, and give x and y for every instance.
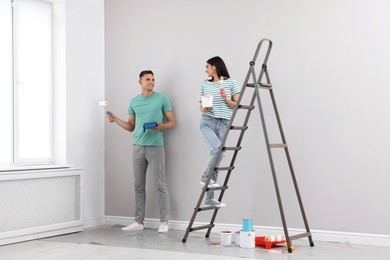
(212, 184)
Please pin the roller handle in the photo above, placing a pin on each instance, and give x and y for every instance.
(108, 113)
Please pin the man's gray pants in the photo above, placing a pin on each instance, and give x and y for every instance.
(152, 158)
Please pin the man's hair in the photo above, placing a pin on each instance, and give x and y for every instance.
(144, 72)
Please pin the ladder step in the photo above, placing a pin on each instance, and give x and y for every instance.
(307, 234)
(238, 127)
(224, 168)
(278, 145)
(207, 208)
(202, 227)
(231, 148)
(217, 188)
(265, 85)
(262, 85)
(246, 107)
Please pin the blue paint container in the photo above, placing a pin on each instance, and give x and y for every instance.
(247, 225)
(150, 125)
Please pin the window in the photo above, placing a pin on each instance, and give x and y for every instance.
(26, 82)
(6, 88)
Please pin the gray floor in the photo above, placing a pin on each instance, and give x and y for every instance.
(109, 242)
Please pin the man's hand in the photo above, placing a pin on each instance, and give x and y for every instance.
(110, 116)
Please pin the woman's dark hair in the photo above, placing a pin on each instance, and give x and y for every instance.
(144, 72)
(220, 66)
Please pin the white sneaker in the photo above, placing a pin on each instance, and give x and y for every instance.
(134, 226)
(214, 202)
(212, 183)
(163, 227)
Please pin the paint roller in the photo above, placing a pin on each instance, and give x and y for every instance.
(104, 104)
(221, 86)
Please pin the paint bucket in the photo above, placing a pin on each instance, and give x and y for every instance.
(150, 125)
(247, 239)
(247, 225)
(226, 238)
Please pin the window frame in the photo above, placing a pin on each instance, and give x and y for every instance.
(57, 94)
(16, 87)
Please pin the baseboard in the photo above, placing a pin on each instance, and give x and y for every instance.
(49, 231)
(318, 235)
(40, 232)
(94, 222)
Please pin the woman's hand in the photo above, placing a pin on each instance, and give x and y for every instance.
(223, 93)
(205, 109)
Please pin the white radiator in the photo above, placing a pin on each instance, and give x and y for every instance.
(39, 203)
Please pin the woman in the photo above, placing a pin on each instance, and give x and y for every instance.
(223, 91)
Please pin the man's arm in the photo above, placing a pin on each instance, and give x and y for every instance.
(129, 125)
(170, 122)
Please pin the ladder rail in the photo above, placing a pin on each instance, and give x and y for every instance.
(289, 161)
(271, 162)
(258, 51)
(192, 220)
(240, 138)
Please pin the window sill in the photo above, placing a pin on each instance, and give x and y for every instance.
(16, 168)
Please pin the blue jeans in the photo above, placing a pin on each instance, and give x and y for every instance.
(152, 157)
(213, 131)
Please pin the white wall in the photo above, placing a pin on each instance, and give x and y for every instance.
(329, 67)
(85, 88)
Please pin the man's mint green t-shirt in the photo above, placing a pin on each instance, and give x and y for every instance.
(148, 109)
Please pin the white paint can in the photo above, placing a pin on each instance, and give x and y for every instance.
(247, 239)
(226, 238)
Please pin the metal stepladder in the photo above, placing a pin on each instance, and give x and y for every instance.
(257, 84)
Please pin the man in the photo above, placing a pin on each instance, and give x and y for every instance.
(148, 150)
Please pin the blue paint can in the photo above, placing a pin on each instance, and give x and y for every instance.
(150, 125)
(247, 225)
